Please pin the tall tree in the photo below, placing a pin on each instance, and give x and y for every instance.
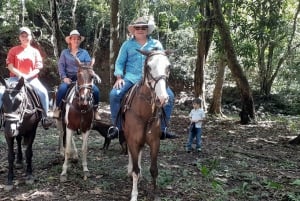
(56, 37)
(234, 66)
(216, 103)
(205, 33)
(114, 35)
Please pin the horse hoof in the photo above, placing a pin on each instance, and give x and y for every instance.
(8, 187)
(29, 181)
(19, 165)
(74, 160)
(86, 175)
(63, 178)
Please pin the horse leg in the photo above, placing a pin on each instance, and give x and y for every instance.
(74, 152)
(19, 162)
(11, 158)
(135, 155)
(69, 135)
(28, 153)
(61, 148)
(154, 149)
(84, 154)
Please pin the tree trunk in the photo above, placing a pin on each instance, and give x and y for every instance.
(216, 104)
(233, 64)
(74, 7)
(114, 36)
(205, 33)
(55, 38)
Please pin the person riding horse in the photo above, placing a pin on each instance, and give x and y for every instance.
(26, 61)
(67, 69)
(129, 70)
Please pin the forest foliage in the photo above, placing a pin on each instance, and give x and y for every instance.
(265, 35)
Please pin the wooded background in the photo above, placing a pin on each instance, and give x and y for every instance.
(252, 46)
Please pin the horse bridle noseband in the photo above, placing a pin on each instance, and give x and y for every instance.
(18, 115)
(148, 74)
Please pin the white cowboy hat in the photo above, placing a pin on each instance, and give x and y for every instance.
(74, 32)
(142, 21)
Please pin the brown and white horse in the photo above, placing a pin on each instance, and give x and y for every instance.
(141, 113)
(77, 115)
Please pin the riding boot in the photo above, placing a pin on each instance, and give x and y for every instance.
(46, 123)
(97, 116)
(113, 132)
(167, 135)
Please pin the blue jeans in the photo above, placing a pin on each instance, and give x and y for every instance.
(194, 132)
(115, 98)
(63, 88)
(38, 88)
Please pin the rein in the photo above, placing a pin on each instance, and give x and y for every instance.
(18, 116)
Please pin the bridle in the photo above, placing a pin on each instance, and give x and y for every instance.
(149, 76)
(85, 85)
(16, 117)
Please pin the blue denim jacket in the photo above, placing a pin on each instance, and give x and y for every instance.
(130, 63)
(67, 66)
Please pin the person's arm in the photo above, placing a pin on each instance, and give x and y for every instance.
(119, 66)
(62, 65)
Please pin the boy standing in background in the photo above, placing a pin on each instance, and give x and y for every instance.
(196, 116)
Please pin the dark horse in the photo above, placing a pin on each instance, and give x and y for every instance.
(77, 115)
(21, 116)
(141, 113)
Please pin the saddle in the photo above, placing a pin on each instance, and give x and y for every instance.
(34, 97)
(127, 101)
(70, 92)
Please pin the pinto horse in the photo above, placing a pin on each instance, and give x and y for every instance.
(77, 115)
(21, 116)
(141, 112)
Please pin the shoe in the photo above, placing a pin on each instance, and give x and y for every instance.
(167, 135)
(46, 123)
(188, 150)
(56, 113)
(113, 132)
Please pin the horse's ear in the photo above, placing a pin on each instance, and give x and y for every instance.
(92, 62)
(3, 81)
(77, 61)
(20, 84)
(144, 52)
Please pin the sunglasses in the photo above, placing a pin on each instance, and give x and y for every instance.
(141, 28)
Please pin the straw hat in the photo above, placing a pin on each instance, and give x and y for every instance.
(142, 21)
(74, 32)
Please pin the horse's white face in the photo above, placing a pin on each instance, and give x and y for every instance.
(159, 69)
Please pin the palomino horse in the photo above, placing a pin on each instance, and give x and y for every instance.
(21, 117)
(77, 115)
(141, 113)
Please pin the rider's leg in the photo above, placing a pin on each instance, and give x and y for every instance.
(60, 94)
(43, 95)
(115, 98)
(168, 108)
